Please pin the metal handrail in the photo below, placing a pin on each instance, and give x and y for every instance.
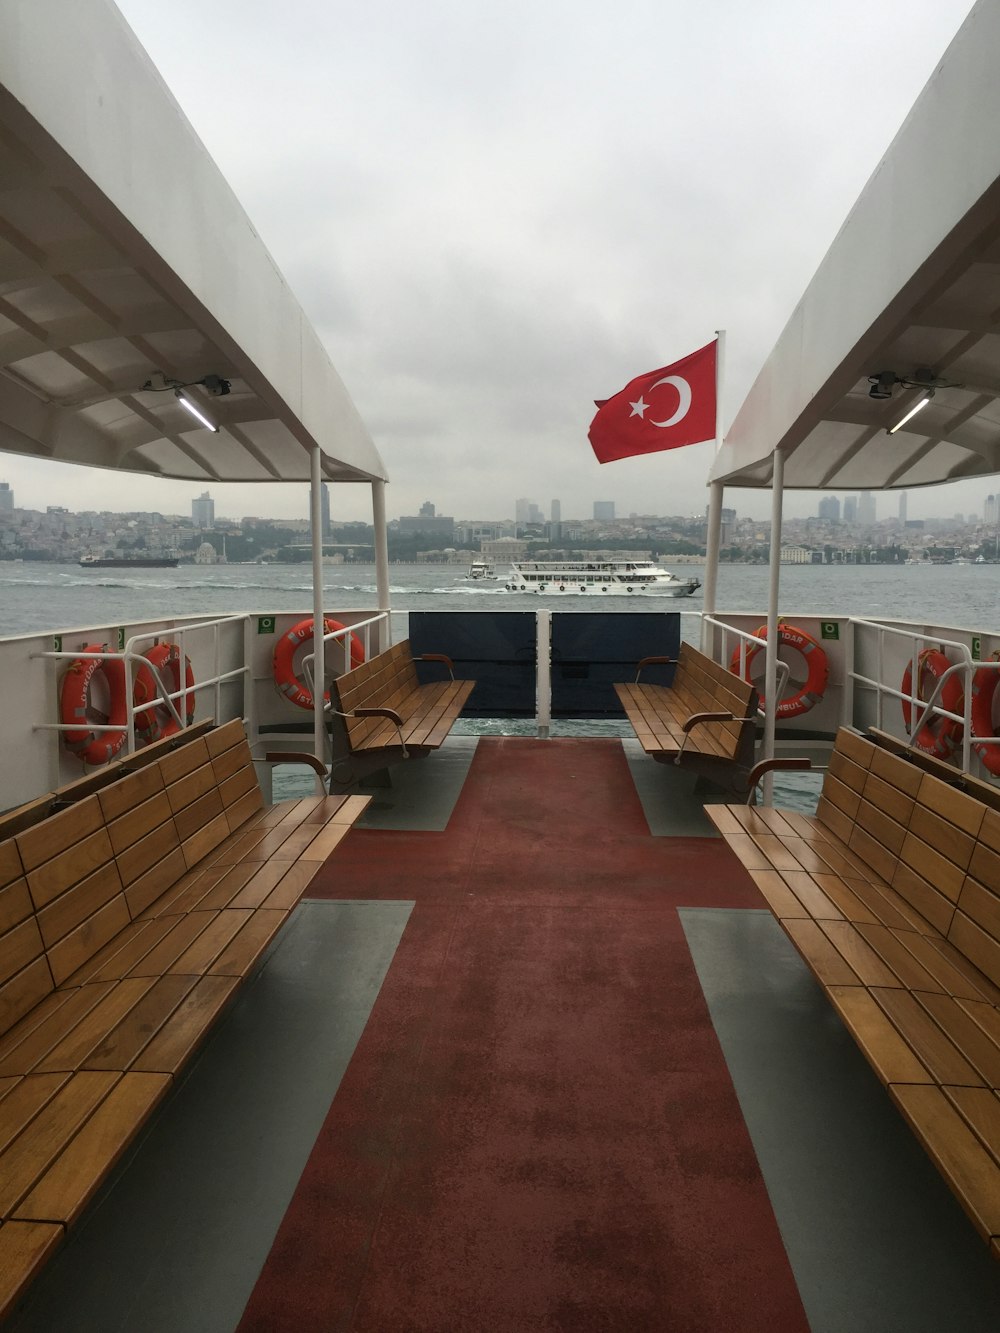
(309, 660)
(131, 658)
(920, 640)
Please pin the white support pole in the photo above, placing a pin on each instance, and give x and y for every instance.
(319, 657)
(713, 532)
(713, 537)
(771, 657)
(543, 674)
(381, 551)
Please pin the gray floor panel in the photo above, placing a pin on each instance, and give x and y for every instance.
(177, 1240)
(672, 798)
(423, 792)
(876, 1240)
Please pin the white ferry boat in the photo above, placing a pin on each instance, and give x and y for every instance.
(598, 578)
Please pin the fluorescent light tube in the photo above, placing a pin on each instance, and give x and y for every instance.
(920, 403)
(196, 411)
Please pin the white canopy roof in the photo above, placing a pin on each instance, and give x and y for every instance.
(911, 284)
(123, 255)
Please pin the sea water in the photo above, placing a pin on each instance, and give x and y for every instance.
(56, 598)
(37, 596)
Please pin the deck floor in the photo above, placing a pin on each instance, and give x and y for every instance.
(535, 1070)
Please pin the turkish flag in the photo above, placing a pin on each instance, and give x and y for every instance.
(663, 409)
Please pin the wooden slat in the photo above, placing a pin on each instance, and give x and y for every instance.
(933, 1048)
(962, 1030)
(36, 1035)
(57, 874)
(827, 962)
(118, 1049)
(78, 903)
(24, 1248)
(131, 791)
(184, 1031)
(79, 945)
(59, 833)
(980, 1108)
(77, 1044)
(956, 1151)
(25, 1101)
(74, 1177)
(33, 1151)
(886, 1051)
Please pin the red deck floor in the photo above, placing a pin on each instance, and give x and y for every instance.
(538, 1130)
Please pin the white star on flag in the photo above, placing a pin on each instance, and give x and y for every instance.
(638, 408)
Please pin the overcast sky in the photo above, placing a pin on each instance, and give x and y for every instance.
(494, 213)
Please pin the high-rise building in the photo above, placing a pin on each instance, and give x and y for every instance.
(850, 509)
(829, 509)
(604, 510)
(324, 507)
(902, 506)
(990, 511)
(522, 511)
(427, 510)
(203, 511)
(555, 511)
(6, 499)
(866, 507)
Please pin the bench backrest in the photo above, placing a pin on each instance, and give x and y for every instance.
(384, 681)
(712, 688)
(72, 881)
(937, 845)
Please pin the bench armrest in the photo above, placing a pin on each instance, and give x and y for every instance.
(770, 766)
(696, 719)
(390, 713)
(295, 757)
(438, 657)
(653, 661)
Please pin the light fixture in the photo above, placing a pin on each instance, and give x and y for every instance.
(921, 403)
(196, 412)
(213, 384)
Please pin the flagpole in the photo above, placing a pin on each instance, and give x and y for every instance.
(713, 531)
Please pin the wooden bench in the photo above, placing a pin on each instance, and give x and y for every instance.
(381, 714)
(132, 905)
(704, 720)
(891, 894)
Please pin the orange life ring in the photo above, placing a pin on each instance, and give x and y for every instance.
(97, 747)
(284, 659)
(938, 735)
(984, 684)
(812, 689)
(165, 658)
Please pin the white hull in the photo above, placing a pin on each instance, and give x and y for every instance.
(599, 590)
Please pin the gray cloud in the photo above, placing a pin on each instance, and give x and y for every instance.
(495, 213)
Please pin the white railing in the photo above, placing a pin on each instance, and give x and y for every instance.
(965, 669)
(364, 629)
(133, 660)
(745, 643)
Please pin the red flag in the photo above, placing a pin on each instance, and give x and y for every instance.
(663, 409)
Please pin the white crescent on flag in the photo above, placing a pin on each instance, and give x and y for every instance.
(683, 392)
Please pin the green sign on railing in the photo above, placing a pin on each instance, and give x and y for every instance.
(829, 629)
(57, 643)
(267, 624)
(121, 637)
(977, 648)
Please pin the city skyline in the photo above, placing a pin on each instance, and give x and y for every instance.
(234, 503)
